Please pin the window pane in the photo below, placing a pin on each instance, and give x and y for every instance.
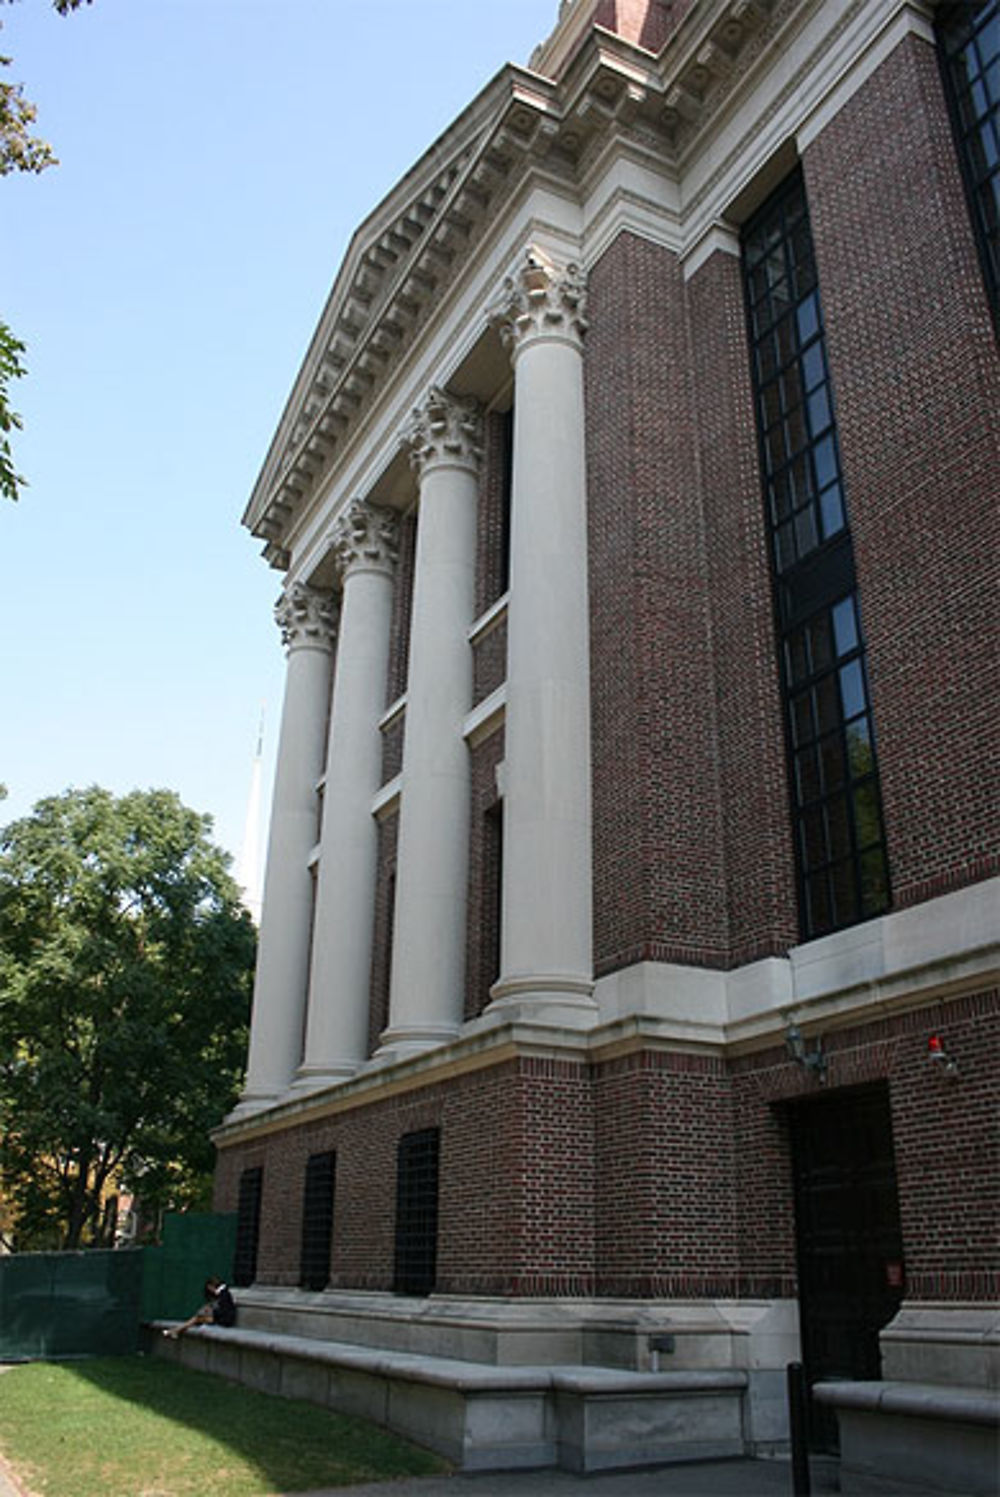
(806, 534)
(797, 431)
(775, 449)
(796, 657)
(839, 827)
(819, 411)
(832, 759)
(784, 543)
(808, 783)
(832, 511)
(825, 458)
(814, 851)
(867, 822)
(813, 366)
(802, 718)
(801, 478)
(820, 643)
(852, 688)
(818, 907)
(859, 748)
(845, 626)
(827, 705)
(845, 893)
(767, 357)
(807, 316)
(781, 495)
(770, 404)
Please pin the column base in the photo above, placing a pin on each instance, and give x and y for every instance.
(400, 1043)
(317, 1078)
(563, 999)
(250, 1104)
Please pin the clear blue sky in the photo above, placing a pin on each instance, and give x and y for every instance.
(215, 158)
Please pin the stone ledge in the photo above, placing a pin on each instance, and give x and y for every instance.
(475, 1376)
(915, 1400)
(483, 1416)
(915, 1437)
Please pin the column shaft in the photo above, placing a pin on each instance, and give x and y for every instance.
(283, 952)
(339, 988)
(427, 987)
(546, 949)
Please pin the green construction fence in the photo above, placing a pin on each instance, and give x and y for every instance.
(193, 1247)
(92, 1303)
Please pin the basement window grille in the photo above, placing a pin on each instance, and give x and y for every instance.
(833, 775)
(247, 1227)
(317, 1221)
(416, 1212)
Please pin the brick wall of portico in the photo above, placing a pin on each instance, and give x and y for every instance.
(659, 1174)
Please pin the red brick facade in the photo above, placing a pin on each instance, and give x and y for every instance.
(653, 1165)
(656, 1175)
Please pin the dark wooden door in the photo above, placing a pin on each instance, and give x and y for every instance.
(850, 1255)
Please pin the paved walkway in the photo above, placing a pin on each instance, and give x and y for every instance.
(736, 1478)
(7, 1487)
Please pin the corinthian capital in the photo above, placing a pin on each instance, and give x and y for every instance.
(446, 428)
(540, 299)
(306, 616)
(365, 536)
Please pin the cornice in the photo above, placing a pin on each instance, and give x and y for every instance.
(611, 97)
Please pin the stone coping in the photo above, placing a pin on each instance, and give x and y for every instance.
(468, 1377)
(913, 1400)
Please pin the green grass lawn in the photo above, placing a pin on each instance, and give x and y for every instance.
(140, 1427)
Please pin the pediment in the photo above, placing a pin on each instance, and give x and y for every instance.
(398, 264)
(404, 257)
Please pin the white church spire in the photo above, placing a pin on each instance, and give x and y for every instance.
(249, 872)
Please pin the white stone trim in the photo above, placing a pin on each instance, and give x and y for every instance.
(386, 802)
(486, 717)
(717, 237)
(488, 621)
(393, 713)
(901, 960)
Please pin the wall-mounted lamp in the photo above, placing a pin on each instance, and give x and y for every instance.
(813, 1060)
(939, 1057)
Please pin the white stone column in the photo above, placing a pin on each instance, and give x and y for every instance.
(547, 927)
(427, 987)
(364, 542)
(307, 621)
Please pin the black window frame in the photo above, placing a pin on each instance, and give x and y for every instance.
(838, 826)
(318, 1201)
(968, 50)
(251, 1189)
(417, 1187)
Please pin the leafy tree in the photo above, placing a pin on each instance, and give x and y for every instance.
(126, 964)
(11, 367)
(20, 151)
